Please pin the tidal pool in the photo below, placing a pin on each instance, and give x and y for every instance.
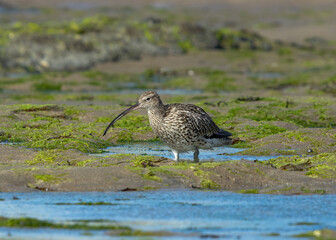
(161, 150)
(188, 214)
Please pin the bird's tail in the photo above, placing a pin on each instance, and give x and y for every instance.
(221, 134)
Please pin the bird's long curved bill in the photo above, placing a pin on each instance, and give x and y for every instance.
(128, 110)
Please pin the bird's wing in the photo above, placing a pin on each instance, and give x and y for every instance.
(221, 134)
(194, 118)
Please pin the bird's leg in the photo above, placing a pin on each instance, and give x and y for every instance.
(196, 159)
(176, 154)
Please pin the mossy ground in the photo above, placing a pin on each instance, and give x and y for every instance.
(62, 133)
(319, 166)
(277, 98)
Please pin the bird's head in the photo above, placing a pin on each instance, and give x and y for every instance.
(147, 101)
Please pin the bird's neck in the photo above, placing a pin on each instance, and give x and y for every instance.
(157, 111)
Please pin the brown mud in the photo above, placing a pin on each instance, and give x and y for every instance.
(119, 174)
(278, 101)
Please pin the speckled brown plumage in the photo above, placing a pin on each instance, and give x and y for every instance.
(183, 127)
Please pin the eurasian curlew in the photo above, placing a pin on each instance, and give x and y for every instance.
(183, 127)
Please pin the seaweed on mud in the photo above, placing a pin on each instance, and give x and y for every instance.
(49, 127)
(134, 123)
(150, 175)
(249, 99)
(217, 80)
(50, 178)
(277, 111)
(181, 83)
(143, 161)
(321, 234)
(44, 157)
(36, 223)
(264, 129)
(80, 43)
(37, 108)
(320, 166)
(200, 171)
(47, 86)
(249, 191)
(231, 39)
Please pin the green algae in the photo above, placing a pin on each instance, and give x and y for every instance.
(47, 86)
(257, 170)
(24, 222)
(284, 51)
(89, 24)
(53, 127)
(167, 172)
(147, 168)
(319, 166)
(218, 81)
(149, 188)
(232, 39)
(200, 171)
(263, 130)
(181, 82)
(141, 165)
(44, 157)
(84, 163)
(134, 123)
(316, 191)
(151, 176)
(322, 171)
(123, 136)
(290, 81)
(50, 178)
(322, 234)
(50, 133)
(85, 32)
(298, 135)
(279, 111)
(143, 161)
(249, 191)
(186, 46)
(35, 223)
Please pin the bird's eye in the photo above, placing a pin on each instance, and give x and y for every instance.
(148, 99)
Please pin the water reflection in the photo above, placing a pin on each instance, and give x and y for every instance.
(161, 150)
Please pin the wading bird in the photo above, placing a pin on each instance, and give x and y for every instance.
(183, 127)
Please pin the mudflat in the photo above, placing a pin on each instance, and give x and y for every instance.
(263, 70)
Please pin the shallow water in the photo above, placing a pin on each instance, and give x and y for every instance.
(14, 75)
(159, 149)
(198, 213)
(265, 75)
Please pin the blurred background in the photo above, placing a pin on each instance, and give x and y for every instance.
(156, 43)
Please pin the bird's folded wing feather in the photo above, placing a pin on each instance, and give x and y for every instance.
(194, 118)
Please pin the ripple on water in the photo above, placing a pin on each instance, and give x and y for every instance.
(198, 213)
